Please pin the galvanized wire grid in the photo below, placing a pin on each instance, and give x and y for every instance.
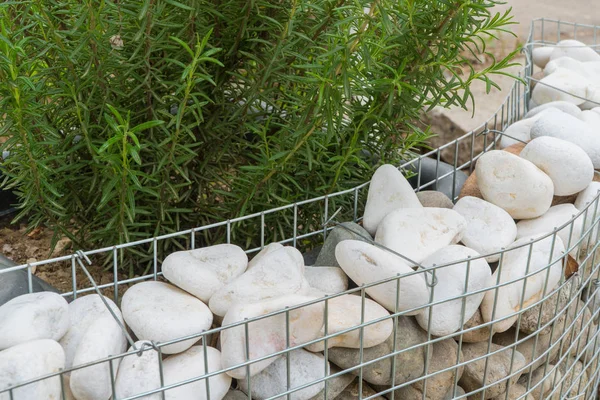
(474, 144)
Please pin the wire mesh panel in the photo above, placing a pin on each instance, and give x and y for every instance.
(535, 335)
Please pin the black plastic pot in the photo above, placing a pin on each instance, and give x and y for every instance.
(7, 201)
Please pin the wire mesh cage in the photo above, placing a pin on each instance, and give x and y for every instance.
(555, 356)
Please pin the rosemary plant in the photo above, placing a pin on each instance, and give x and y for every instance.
(127, 119)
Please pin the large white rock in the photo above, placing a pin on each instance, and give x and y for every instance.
(566, 127)
(344, 313)
(563, 84)
(574, 49)
(278, 273)
(567, 164)
(82, 313)
(191, 364)
(271, 247)
(569, 63)
(526, 257)
(267, 335)
(305, 367)
(541, 55)
(454, 280)
(162, 312)
(555, 217)
(417, 233)
(388, 191)
(563, 106)
(514, 184)
(518, 132)
(103, 338)
(139, 373)
(202, 272)
(590, 117)
(31, 360)
(43, 315)
(329, 280)
(489, 227)
(365, 263)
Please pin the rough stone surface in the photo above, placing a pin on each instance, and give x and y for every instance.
(432, 198)
(305, 367)
(499, 367)
(139, 373)
(349, 231)
(445, 355)
(352, 392)
(409, 364)
(514, 184)
(268, 335)
(545, 346)
(445, 318)
(477, 335)
(547, 375)
(524, 258)
(344, 313)
(162, 312)
(515, 392)
(571, 129)
(417, 233)
(202, 272)
(191, 364)
(329, 280)
(365, 263)
(489, 227)
(574, 378)
(335, 386)
(31, 360)
(33, 316)
(567, 164)
(388, 191)
(235, 395)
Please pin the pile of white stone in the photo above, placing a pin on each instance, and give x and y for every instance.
(494, 253)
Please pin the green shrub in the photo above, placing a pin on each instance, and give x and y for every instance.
(126, 119)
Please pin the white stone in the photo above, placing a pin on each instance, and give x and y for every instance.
(202, 272)
(43, 315)
(586, 200)
(517, 132)
(139, 373)
(191, 364)
(452, 281)
(514, 184)
(103, 338)
(388, 191)
(305, 367)
(574, 49)
(541, 55)
(329, 280)
(571, 64)
(526, 257)
(344, 313)
(162, 312)
(566, 127)
(82, 313)
(489, 227)
(417, 233)
(555, 217)
(567, 164)
(365, 263)
(563, 84)
(271, 247)
(278, 273)
(27, 361)
(267, 335)
(563, 106)
(590, 117)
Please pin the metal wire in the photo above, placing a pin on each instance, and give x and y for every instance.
(576, 334)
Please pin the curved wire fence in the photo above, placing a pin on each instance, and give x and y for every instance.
(562, 352)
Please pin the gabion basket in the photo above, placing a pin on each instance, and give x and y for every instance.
(564, 349)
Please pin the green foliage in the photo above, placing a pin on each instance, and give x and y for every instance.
(126, 119)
